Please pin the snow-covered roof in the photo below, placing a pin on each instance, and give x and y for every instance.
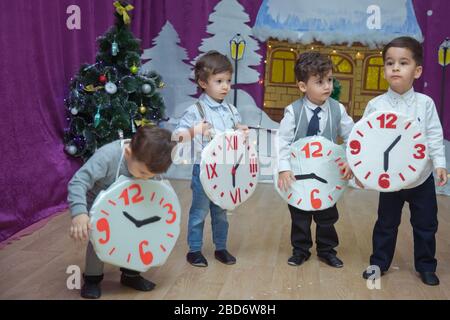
(370, 22)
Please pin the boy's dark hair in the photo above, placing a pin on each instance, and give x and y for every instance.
(311, 64)
(212, 62)
(153, 146)
(409, 43)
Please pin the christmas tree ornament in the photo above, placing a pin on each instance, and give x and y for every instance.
(111, 88)
(114, 48)
(97, 117)
(133, 127)
(74, 111)
(123, 11)
(142, 109)
(134, 69)
(161, 85)
(71, 149)
(102, 78)
(91, 88)
(146, 88)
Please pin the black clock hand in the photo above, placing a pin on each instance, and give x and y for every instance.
(238, 163)
(147, 221)
(386, 153)
(310, 176)
(319, 178)
(233, 171)
(130, 218)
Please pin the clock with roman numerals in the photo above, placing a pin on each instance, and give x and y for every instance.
(229, 169)
(387, 151)
(135, 223)
(316, 164)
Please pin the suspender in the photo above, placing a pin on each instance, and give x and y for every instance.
(201, 111)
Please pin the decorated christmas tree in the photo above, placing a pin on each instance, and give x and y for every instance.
(109, 99)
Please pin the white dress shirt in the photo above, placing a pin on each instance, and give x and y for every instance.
(422, 109)
(286, 133)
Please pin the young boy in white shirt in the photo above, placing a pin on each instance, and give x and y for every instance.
(315, 114)
(403, 58)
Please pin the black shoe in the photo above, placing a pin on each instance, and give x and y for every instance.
(331, 260)
(297, 260)
(429, 278)
(196, 259)
(366, 274)
(136, 281)
(224, 256)
(91, 287)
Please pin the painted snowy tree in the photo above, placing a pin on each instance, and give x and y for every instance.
(228, 19)
(167, 58)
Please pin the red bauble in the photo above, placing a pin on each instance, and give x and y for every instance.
(102, 78)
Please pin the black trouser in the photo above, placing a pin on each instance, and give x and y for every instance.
(326, 236)
(423, 207)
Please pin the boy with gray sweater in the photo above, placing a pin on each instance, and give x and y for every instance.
(148, 153)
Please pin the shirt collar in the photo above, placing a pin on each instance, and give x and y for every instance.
(313, 106)
(407, 97)
(210, 102)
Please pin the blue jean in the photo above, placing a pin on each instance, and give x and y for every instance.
(197, 215)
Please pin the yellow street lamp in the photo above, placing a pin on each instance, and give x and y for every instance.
(237, 48)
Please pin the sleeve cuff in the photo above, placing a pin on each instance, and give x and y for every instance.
(439, 163)
(284, 165)
(77, 210)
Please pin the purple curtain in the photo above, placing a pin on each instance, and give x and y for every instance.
(39, 55)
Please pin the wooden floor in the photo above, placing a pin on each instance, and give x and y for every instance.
(35, 266)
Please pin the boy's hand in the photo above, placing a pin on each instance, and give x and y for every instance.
(203, 128)
(442, 176)
(346, 172)
(79, 230)
(244, 130)
(285, 180)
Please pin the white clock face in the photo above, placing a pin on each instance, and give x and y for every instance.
(316, 164)
(387, 151)
(135, 223)
(229, 169)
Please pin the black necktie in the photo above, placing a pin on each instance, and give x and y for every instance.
(313, 126)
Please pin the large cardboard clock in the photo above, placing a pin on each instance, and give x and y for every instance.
(229, 169)
(135, 223)
(316, 164)
(387, 151)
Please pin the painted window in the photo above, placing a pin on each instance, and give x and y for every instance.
(374, 74)
(341, 64)
(282, 68)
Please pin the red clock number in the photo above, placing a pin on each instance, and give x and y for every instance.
(171, 212)
(136, 198)
(420, 152)
(146, 256)
(315, 202)
(387, 121)
(355, 147)
(316, 153)
(237, 196)
(232, 142)
(103, 226)
(211, 170)
(383, 181)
